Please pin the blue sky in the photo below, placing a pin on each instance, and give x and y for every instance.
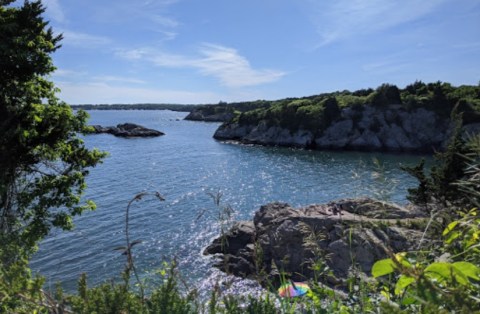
(206, 51)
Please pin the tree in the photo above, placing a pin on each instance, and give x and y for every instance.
(443, 186)
(385, 95)
(43, 161)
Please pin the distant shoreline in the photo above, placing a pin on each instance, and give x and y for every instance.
(173, 107)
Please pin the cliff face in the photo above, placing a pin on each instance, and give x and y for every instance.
(393, 128)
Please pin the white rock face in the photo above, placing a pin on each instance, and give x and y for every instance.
(393, 128)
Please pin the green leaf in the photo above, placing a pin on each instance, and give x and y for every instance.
(467, 269)
(454, 235)
(402, 283)
(449, 228)
(383, 267)
(439, 271)
(409, 300)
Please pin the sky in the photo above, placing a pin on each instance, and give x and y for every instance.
(207, 51)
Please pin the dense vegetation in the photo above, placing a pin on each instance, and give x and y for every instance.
(173, 107)
(43, 165)
(315, 113)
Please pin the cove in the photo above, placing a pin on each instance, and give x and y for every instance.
(184, 166)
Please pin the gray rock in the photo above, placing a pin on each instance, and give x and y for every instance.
(336, 135)
(368, 140)
(358, 128)
(127, 130)
(346, 233)
(234, 240)
(232, 131)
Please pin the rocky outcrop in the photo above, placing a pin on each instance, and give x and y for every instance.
(393, 128)
(126, 130)
(346, 234)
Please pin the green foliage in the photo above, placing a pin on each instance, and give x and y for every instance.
(315, 113)
(20, 292)
(118, 298)
(43, 161)
(440, 187)
(350, 100)
(385, 95)
(312, 114)
(423, 284)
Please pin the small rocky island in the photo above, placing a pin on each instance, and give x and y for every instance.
(348, 235)
(126, 130)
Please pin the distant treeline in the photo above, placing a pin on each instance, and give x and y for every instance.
(173, 107)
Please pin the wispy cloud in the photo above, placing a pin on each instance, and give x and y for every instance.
(118, 79)
(83, 40)
(342, 19)
(385, 67)
(233, 69)
(152, 16)
(223, 63)
(54, 10)
(164, 21)
(67, 73)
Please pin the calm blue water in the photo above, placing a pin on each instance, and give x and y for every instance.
(184, 166)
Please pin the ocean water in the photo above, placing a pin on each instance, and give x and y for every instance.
(185, 166)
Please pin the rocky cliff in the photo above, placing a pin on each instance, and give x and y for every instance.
(346, 235)
(365, 127)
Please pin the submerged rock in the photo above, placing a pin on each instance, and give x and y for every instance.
(345, 235)
(127, 130)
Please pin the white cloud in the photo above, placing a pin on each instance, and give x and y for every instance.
(223, 63)
(54, 10)
(231, 68)
(385, 67)
(119, 79)
(164, 21)
(66, 73)
(341, 19)
(83, 40)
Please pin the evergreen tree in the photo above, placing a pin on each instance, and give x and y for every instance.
(43, 162)
(440, 187)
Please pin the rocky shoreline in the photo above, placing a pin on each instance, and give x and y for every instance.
(126, 130)
(344, 236)
(364, 127)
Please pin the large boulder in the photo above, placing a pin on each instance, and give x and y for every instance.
(344, 235)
